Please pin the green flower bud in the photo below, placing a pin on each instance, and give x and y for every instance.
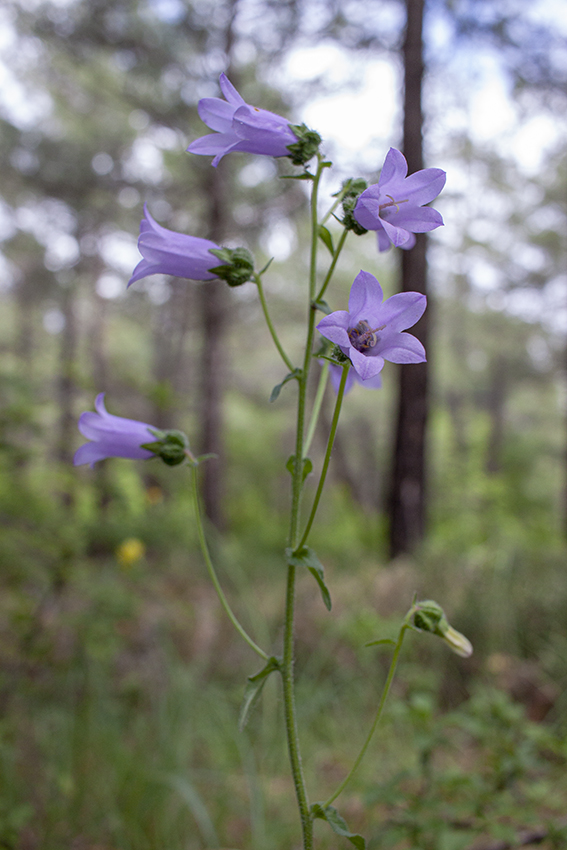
(352, 188)
(237, 265)
(307, 144)
(430, 617)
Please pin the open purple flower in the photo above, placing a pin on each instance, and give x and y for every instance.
(167, 252)
(394, 206)
(370, 332)
(240, 127)
(112, 436)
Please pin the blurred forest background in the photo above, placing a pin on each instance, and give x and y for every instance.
(120, 681)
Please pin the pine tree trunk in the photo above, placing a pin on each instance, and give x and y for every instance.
(407, 499)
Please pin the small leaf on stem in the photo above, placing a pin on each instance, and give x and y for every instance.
(306, 557)
(254, 688)
(337, 824)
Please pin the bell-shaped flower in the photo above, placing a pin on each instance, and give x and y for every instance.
(112, 436)
(240, 127)
(167, 252)
(394, 206)
(370, 332)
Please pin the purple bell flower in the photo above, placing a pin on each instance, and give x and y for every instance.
(394, 206)
(370, 332)
(112, 436)
(167, 252)
(240, 127)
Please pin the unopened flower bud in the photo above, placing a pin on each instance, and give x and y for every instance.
(352, 188)
(307, 144)
(430, 617)
(237, 265)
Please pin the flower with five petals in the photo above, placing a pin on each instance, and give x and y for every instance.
(370, 331)
(394, 206)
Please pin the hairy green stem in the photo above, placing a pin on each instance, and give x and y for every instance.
(297, 485)
(327, 459)
(383, 698)
(211, 570)
(271, 328)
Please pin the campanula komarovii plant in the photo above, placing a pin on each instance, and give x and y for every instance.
(394, 206)
(357, 343)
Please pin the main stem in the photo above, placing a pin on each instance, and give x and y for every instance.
(288, 649)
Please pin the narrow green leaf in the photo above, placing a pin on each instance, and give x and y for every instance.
(381, 641)
(306, 557)
(337, 824)
(278, 388)
(305, 175)
(322, 306)
(326, 238)
(254, 688)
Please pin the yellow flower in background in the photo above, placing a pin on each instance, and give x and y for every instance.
(129, 552)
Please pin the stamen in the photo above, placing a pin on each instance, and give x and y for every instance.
(393, 203)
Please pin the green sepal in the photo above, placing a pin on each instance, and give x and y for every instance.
(307, 467)
(337, 824)
(278, 387)
(307, 144)
(171, 446)
(254, 688)
(306, 557)
(266, 267)
(326, 238)
(380, 642)
(237, 265)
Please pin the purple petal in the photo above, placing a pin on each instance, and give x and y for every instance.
(384, 243)
(335, 327)
(367, 367)
(403, 310)
(229, 91)
(367, 211)
(410, 243)
(397, 235)
(216, 113)
(401, 348)
(395, 168)
(416, 219)
(213, 144)
(423, 186)
(365, 297)
(263, 131)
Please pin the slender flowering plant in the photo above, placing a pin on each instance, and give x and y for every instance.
(352, 345)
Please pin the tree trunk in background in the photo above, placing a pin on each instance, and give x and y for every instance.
(213, 302)
(496, 405)
(407, 498)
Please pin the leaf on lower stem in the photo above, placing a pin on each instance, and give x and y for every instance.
(253, 689)
(337, 824)
(306, 557)
(326, 238)
(307, 467)
(278, 388)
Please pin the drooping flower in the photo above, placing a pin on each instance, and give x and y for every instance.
(112, 436)
(394, 206)
(167, 252)
(370, 332)
(241, 127)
